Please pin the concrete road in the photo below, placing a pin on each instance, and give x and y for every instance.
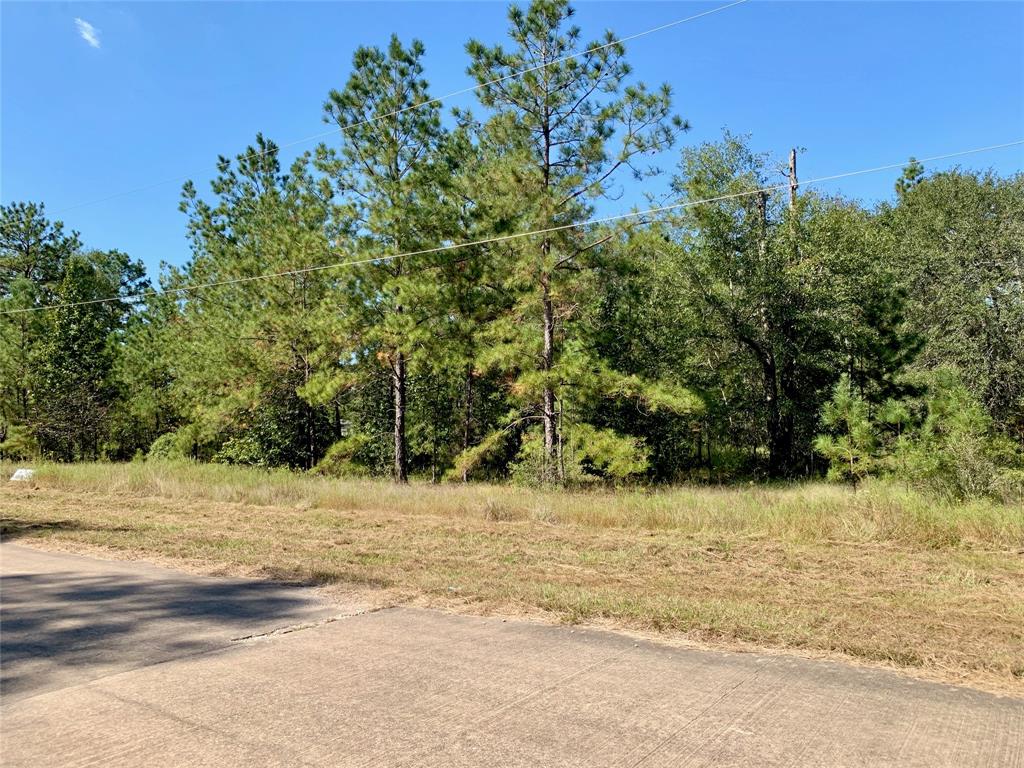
(68, 619)
(122, 664)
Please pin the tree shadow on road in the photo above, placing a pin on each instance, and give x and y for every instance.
(63, 627)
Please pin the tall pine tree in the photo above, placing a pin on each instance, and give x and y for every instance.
(568, 126)
(390, 182)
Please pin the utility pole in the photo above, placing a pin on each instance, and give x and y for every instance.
(762, 224)
(793, 186)
(792, 180)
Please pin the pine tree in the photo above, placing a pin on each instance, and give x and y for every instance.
(74, 389)
(145, 367)
(565, 129)
(851, 448)
(245, 347)
(958, 251)
(390, 178)
(34, 252)
(913, 174)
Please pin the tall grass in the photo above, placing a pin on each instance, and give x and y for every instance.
(876, 513)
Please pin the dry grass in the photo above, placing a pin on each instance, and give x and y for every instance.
(882, 575)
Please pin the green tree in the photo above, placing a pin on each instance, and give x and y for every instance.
(851, 447)
(390, 177)
(558, 137)
(151, 403)
(954, 448)
(244, 347)
(74, 388)
(33, 254)
(786, 294)
(939, 438)
(958, 246)
(912, 175)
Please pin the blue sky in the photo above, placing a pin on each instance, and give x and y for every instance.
(100, 98)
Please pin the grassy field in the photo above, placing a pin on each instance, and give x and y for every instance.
(882, 575)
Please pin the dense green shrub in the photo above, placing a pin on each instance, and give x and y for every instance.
(942, 440)
(587, 454)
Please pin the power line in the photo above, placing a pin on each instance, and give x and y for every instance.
(436, 100)
(504, 238)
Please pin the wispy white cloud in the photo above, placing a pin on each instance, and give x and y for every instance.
(89, 33)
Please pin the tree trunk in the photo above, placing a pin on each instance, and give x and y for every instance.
(550, 428)
(467, 417)
(309, 414)
(791, 397)
(779, 424)
(780, 448)
(398, 390)
(552, 467)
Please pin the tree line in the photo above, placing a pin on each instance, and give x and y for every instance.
(755, 330)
